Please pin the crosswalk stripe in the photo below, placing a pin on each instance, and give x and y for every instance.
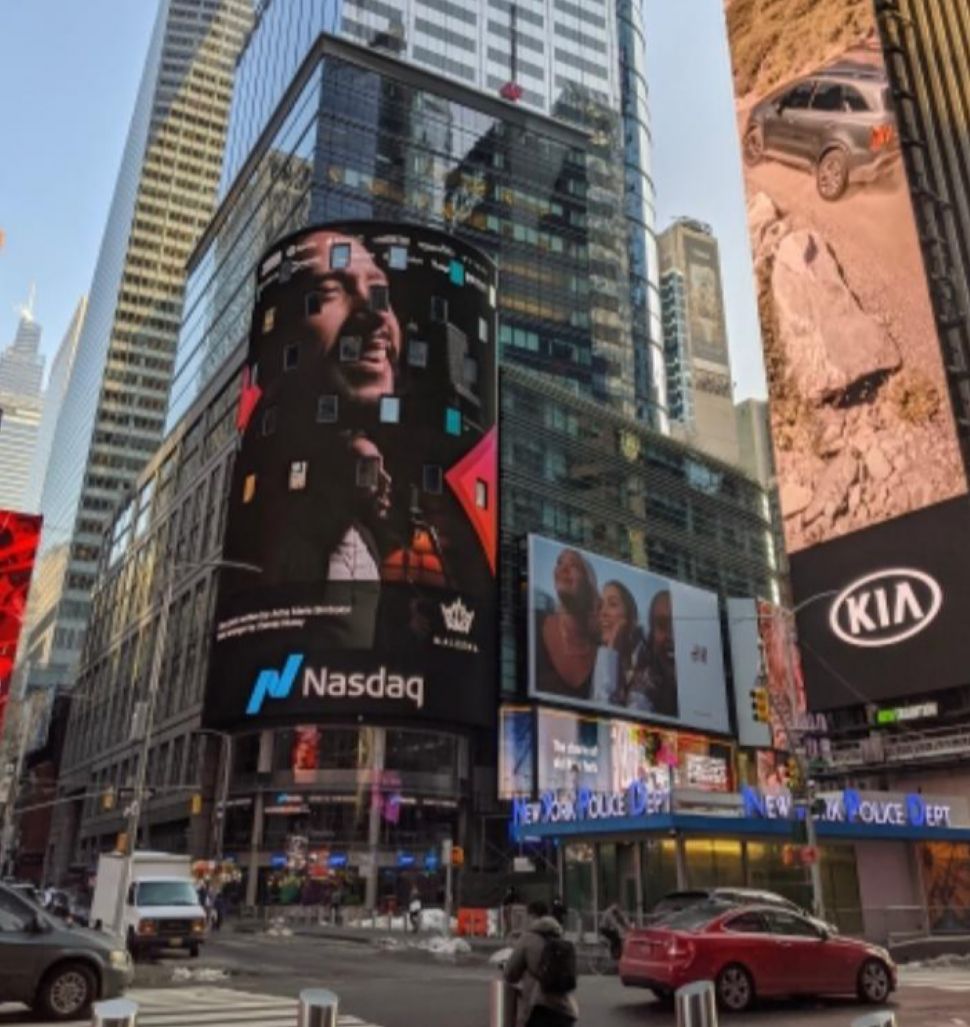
(206, 1007)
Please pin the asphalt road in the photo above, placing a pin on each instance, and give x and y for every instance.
(415, 989)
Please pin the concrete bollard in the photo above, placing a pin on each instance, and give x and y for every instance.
(696, 1005)
(502, 1000)
(119, 1012)
(884, 1018)
(318, 1008)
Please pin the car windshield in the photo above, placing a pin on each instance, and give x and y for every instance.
(696, 917)
(167, 893)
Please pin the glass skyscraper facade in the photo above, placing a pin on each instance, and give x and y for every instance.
(113, 414)
(581, 64)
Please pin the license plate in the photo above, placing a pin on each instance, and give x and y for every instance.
(174, 943)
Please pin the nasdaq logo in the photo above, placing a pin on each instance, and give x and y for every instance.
(274, 684)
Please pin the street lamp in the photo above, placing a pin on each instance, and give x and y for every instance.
(134, 810)
(225, 777)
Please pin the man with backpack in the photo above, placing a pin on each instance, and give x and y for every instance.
(543, 965)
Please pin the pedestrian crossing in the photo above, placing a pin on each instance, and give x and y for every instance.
(196, 1007)
(940, 979)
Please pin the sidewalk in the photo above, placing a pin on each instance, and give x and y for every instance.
(365, 935)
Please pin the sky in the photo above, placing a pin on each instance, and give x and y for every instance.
(697, 158)
(69, 72)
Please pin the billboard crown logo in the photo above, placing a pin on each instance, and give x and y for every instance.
(458, 617)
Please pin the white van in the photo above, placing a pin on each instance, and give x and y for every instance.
(161, 906)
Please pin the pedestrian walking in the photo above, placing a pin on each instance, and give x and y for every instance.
(510, 899)
(414, 909)
(218, 910)
(336, 902)
(543, 966)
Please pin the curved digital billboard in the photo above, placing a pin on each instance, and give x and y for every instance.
(364, 492)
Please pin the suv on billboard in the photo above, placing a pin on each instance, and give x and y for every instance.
(838, 122)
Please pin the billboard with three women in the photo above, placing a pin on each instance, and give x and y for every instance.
(622, 640)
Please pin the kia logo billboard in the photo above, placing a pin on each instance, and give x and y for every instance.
(886, 607)
(883, 613)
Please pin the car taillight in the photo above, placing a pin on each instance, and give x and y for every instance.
(881, 136)
(680, 950)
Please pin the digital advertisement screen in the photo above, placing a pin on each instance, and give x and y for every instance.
(364, 492)
(622, 640)
(19, 535)
(764, 654)
(516, 752)
(860, 410)
(607, 755)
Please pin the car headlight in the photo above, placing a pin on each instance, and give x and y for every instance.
(198, 926)
(119, 959)
(148, 927)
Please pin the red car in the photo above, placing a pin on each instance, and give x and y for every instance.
(754, 951)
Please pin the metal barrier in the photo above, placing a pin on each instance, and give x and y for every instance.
(696, 1005)
(884, 1018)
(318, 1008)
(119, 1012)
(502, 1000)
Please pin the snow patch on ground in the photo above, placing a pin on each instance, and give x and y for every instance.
(204, 975)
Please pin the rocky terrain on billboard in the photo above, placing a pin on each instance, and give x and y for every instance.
(861, 419)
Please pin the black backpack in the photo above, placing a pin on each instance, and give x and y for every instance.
(557, 967)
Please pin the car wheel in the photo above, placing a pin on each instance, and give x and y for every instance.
(66, 993)
(735, 988)
(874, 982)
(754, 145)
(832, 175)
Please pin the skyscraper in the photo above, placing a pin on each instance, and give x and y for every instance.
(695, 339)
(582, 63)
(113, 413)
(57, 384)
(21, 399)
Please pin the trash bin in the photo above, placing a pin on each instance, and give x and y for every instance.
(502, 1001)
(696, 1005)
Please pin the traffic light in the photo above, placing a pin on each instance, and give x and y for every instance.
(760, 709)
(196, 804)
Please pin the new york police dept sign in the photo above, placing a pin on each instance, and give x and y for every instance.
(637, 800)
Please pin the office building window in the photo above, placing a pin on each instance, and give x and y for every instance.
(339, 255)
(431, 479)
(418, 353)
(291, 357)
(482, 330)
(298, 472)
(452, 421)
(456, 272)
(439, 309)
(379, 297)
(397, 258)
(350, 348)
(471, 371)
(390, 409)
(327, 409)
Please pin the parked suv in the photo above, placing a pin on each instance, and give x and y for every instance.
(56, 969)
(838, 122)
